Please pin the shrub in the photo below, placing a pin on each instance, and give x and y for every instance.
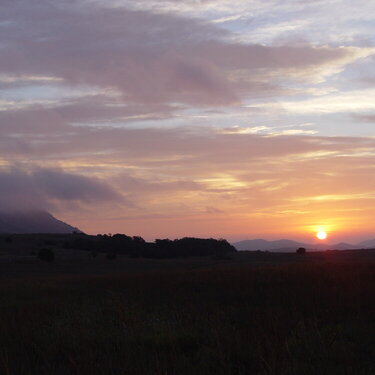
(301, 250)
(46, 254)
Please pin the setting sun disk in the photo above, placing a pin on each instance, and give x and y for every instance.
(321, 235)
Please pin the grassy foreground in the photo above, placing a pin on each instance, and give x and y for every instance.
(276, 319)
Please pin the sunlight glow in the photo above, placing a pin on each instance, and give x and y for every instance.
(321, 235)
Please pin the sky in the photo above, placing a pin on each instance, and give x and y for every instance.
(210, 118)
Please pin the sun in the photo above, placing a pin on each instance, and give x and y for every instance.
(321, 235)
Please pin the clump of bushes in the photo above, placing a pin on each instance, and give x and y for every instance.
(301, 250)
(137, 247)
(46, 255)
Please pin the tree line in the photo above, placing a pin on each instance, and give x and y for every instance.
(161, 248)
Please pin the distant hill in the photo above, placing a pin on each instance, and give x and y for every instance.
(33, 222)
(343, 246)
(260, 244)
(367, 244)
(287, 245)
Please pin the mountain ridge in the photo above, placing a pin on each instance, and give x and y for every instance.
(33, 221)
(285, 245)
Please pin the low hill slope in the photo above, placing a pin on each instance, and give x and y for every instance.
(33, 222)
(289, 245)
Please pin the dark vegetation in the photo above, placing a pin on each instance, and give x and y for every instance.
(137, 247)
(287, 319)
(247, 313)
(46, 254)
(113, 245)
(301, 251)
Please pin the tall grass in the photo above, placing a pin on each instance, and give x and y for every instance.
(290, 319)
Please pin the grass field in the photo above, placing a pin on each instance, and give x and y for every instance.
(277, 315)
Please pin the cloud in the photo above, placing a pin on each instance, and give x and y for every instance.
(125, 50)
(345, 101)
(152, 59)
(263, 21)
(43, 188)
(66, 186)
(365, 117)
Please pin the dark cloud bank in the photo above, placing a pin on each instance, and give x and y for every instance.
(44, 188)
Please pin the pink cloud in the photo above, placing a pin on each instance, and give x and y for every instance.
(149, 58)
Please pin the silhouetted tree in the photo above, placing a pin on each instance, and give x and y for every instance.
(136, 246)
(301, 250)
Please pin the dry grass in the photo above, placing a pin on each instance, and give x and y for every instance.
(297, 319)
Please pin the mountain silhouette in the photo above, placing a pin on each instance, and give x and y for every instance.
(289, 245)
(32, 222)
(367, 244)
(260, 244)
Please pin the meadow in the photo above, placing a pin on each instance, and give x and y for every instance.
(254, 314)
